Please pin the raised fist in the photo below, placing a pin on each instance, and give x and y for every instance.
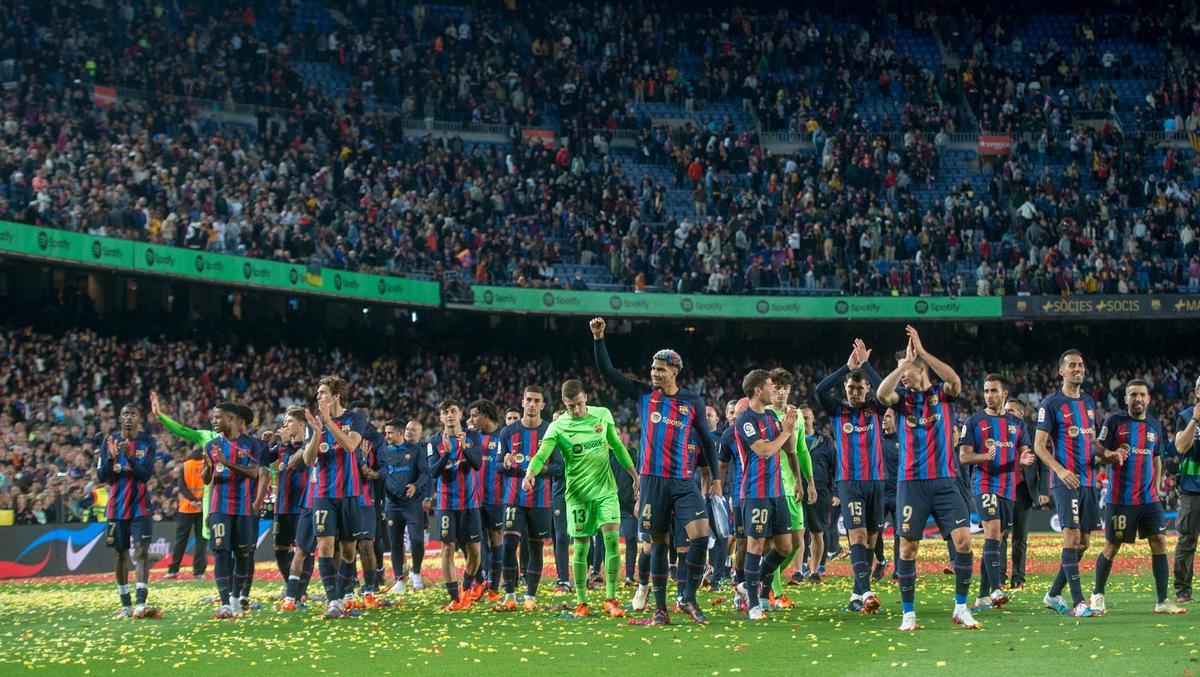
(597, 327)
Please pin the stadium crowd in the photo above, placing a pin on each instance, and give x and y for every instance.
(60, 394)
(334, 184)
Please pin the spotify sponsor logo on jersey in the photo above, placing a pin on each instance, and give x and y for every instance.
(923, 421)
(657, 418)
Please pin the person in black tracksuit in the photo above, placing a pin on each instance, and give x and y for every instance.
(562, 539)
(817, 516)
(718, 552)
(404, 467)
(891, 466)
(628, 525)
(1033, 492)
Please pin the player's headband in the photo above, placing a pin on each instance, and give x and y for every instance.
(670, 357)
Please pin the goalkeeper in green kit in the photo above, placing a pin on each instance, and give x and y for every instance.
(200, 437)
(584, 436)
(797, 490)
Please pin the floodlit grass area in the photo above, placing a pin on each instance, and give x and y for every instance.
(68, 628)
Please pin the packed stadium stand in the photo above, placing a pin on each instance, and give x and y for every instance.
(739, 150)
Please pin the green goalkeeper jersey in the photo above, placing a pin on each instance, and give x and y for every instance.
(803, 458)
(584, 444)
(201, 437)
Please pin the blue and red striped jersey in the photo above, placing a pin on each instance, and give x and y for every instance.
(669, 424)
(761, 476)
(126, 475)
(491, 473)
(232, 494)
(336, 471)
(1071, 424)
(290, 483)
(925, 430)
(1006, 435)
(457, 486)
(729, 455)
(523, 443)
(368, 455)
(1132, 482)
(858, 437)
(310, 488)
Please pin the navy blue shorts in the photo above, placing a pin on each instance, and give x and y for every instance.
(338, 518)
(995, 507)
(862, 504)
(816, 516)
(532, 523)
(458, 526)
(1077, 508)
(1127, 523)
(662, 498)
(368, 523)
(679, 524)
(284, 530)
(232, 531)
(679, 537)
(492, 516)
(121, 533)
(306, 535)
(766, 517)
(964, 490)
(736, 527)
(678, 533)
(918, 500)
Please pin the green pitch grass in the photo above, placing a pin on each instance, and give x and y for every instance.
(67, 628)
